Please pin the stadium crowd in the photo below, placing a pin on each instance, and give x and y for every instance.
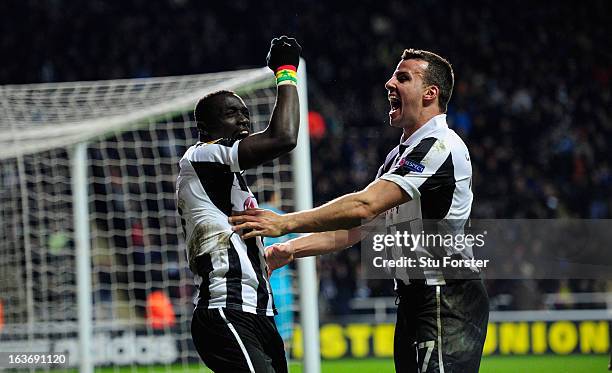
(532, 98)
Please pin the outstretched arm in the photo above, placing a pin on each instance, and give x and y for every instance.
(324, 242)
(281, 254)
(281, 134)
(346, 212)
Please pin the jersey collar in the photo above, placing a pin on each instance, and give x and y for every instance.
(209, 142)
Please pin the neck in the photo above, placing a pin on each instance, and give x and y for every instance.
(420, 122)
(206, 138)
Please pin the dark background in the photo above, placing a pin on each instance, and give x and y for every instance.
(531, 100)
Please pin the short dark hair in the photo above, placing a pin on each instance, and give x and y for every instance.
(439, 72)
(203, 108)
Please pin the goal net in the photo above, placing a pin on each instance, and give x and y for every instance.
(141, 288)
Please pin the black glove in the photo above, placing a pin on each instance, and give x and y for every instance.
(283, 51)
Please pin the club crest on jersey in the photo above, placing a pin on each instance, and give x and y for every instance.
(250, 203)
(411, 166)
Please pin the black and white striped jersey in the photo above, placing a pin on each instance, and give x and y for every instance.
(433, 167)
(229, 271)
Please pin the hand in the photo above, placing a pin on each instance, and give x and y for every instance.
(278, 255)
(283, 51)
(261, 222)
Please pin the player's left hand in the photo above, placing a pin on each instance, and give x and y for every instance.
(260, 222)
(283, 51)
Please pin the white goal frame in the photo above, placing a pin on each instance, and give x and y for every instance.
(308, 283)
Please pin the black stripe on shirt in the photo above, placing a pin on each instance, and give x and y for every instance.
(253, 255)
(437, 191)
(216, 179)
(203, 268)
(233, 277)
(391, 159)
(417, 154)
(262, 289)
(241, 182)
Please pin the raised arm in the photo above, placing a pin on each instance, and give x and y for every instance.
(281, 134)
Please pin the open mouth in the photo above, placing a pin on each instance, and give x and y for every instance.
(242, 133)
(396, 105)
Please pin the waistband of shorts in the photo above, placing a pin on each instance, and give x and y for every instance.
(423, 282)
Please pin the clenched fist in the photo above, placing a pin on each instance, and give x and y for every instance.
(278, 255)
(283, 51)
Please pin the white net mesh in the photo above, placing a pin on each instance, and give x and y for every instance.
(66, 113)
(137, 130)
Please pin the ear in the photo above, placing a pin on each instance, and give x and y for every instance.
(431, 93)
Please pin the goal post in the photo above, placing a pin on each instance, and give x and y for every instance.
(307, 276)
(89, 240)
(82, 240)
